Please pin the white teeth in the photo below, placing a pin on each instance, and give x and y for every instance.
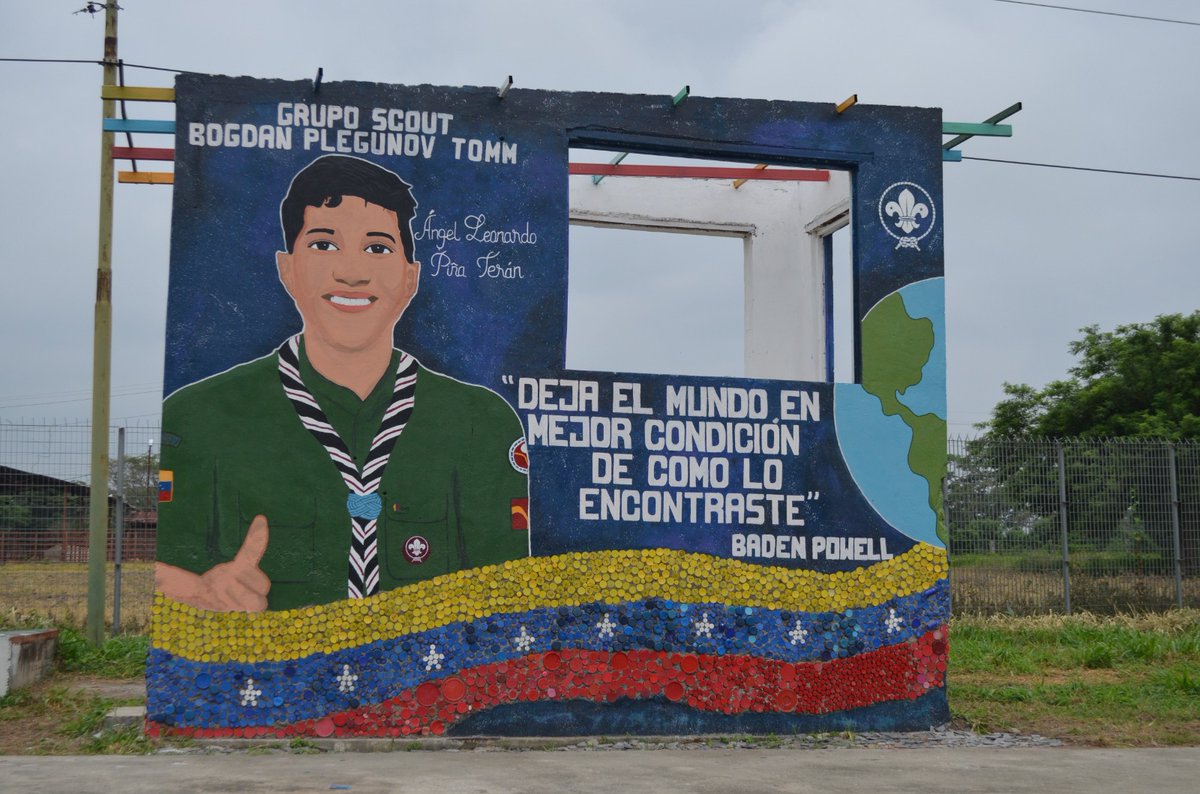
(341, 301)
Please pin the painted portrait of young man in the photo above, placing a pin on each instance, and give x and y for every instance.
(337, 466)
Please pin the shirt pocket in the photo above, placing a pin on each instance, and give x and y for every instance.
(416, 540)
(291, 554)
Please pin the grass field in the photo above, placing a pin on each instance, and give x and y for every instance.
(1108, 681)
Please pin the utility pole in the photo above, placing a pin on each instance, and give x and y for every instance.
(102, 353)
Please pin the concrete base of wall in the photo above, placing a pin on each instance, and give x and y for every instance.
(124, 716)
(26, 656)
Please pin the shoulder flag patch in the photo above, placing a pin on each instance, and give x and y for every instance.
(520, 514)
(166, 485)
(518, 456)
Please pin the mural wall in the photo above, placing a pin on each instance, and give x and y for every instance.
(387, 507)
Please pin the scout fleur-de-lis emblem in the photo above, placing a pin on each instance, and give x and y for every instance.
(907, 210)
(416, 549)
(907, 213)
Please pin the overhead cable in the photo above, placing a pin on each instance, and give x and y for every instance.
(1097, 11)
(1083, 168)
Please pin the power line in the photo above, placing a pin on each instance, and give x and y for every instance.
(73, 400)
(1082, 168)
(128, 135)
(76, 392)
(1102, 13)
(49, 60)
(161, 68)
(99, 63)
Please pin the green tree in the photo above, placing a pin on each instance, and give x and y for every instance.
(14, 513)
(1141, 379)
(1000, 494)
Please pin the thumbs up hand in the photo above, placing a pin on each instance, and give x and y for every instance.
(235, 586)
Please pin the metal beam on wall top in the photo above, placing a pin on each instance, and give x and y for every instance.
(700, 172)
(962, 128)
(676, 100)
(1001, 116)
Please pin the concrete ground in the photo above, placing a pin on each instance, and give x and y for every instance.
(1012, 771)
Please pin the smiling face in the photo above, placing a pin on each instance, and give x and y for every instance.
(348, 274)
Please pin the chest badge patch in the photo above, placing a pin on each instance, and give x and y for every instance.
(518, 456)
(416, 550)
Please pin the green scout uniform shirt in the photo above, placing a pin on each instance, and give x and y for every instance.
(236, 449)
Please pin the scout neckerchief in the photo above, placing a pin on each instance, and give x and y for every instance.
(363, 502)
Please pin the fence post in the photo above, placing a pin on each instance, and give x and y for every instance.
(946, 519)
(119, 530)
(1062, 520)
(1175, 529)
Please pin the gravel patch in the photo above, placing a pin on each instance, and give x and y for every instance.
(890, 740)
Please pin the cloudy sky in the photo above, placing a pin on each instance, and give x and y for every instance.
(1032, 254)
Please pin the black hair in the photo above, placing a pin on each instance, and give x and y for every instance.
(327, 180)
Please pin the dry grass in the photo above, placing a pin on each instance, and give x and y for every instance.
(1000, 590)
(1174, 622)
(57, 592)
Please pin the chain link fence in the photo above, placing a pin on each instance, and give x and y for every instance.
(44, 497)
(1103, 526)
(1035, 525)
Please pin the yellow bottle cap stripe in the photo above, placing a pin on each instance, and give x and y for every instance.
(531, 583)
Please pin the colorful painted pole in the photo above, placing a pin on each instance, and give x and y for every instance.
(102, 353)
